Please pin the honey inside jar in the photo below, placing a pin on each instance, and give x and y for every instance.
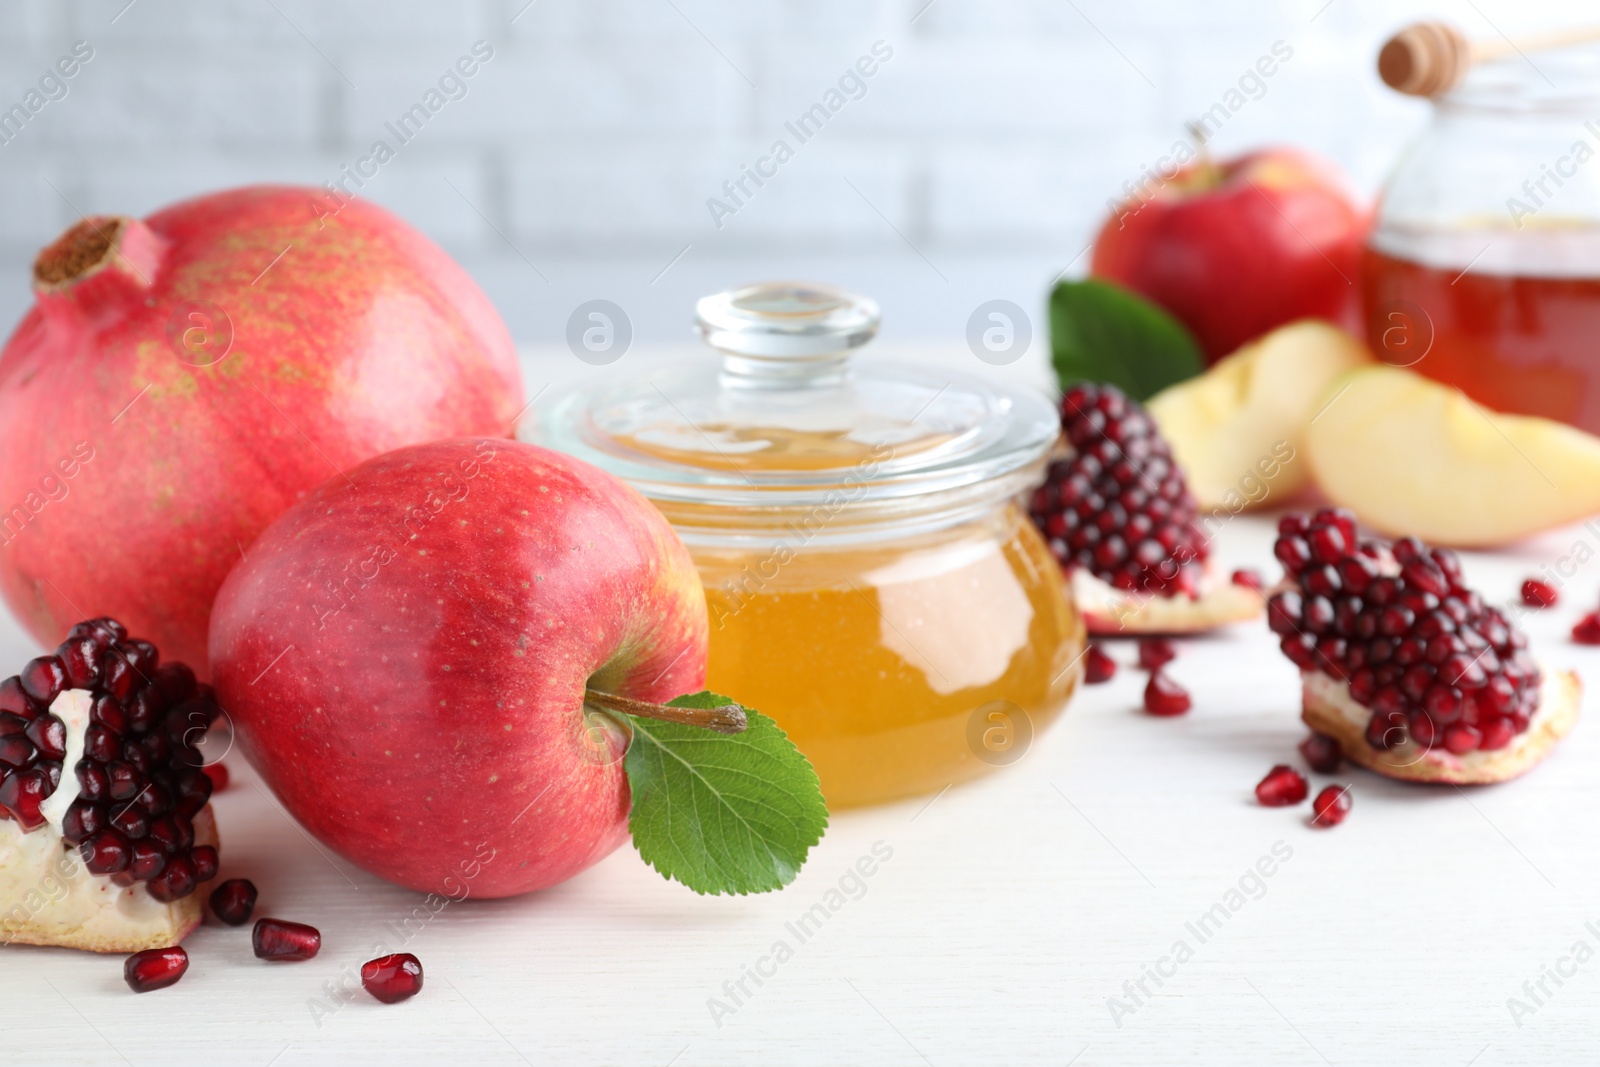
(871, 582)
(906, 667)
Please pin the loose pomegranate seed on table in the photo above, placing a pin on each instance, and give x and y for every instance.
(233, 901)
(1155, 652)
(1399, 625)
(218, 773)
(1282, 786)
(1248, 577)
(155, 968)
(394, 978)
(1331, 806)
(1119, 507)
(276, 939)
(1537, 593)
(1097, 666)
(1164, 697)
(1587, 629)
(1321, 753)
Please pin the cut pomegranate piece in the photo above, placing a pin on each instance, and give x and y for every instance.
(1164, 697)
(1119, 518)
(1537, 593)
(1331, 806)
(276, 939)
(155, 968)
(1282, 786)
(1097, 666)
(1321, 753)
(1396, 651)
(1155, 652)
(233, 901)
(94, 760)
(393, 978)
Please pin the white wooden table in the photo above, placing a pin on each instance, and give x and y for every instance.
(1010, 914)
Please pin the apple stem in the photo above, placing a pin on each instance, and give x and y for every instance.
(725, 719)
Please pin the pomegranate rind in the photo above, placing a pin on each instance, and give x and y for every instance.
(109, 930)
(1327, 707)
(1109, 611)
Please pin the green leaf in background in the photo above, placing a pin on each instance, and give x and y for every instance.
(1100, 332)
(722, 813)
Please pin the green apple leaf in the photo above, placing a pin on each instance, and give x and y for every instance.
(722, 813)
(1100, 332)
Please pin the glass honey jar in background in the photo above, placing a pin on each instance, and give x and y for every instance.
(1483, 267)
(871, 581)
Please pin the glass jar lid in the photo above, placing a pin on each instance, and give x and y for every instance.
(787, 416)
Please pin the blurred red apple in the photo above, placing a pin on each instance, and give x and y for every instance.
(405, 655)
(1237, 248)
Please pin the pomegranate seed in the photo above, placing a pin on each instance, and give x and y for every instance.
(1331, 806)
(1282, 786)
(1497, 733)
(1248, 577)
(275, 939)
(218, 773)
(1098, 667)
(154, 968)
(106, 852)
(43, 679)
(1462, 739)
(1537, 593)
(233, 901)
(177, 881)
(393, 978)
(1164, 697)
(1321, 753)
(1587, 631)
(1155, 652)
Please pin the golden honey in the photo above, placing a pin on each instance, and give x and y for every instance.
(902, 668)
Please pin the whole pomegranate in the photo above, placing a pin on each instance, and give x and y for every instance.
(182, 380)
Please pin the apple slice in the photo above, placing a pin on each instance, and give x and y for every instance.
(1108, 611)
(1238, 430)
(1326, 707)
(1411, 456)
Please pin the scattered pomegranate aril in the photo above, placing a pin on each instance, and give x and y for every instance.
(1164, 697)
(1155, 652)
(1331, 806)
(1248, 577)
(1282, 786)
(155, 968)
(233, 901)
(1097, 666)
(1587, 629)
(1119, 506)
(276, 939)
(218, 773)
(392, 979)
(1321, 753)
(1537, 593)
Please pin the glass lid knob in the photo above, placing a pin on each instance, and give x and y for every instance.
(785, 331)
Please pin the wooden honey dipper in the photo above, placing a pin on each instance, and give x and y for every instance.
(1430, 58)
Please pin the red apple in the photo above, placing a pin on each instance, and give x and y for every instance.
(183, 379)
(1237, 248)
(404, 655)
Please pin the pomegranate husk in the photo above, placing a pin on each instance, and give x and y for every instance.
(351, 335)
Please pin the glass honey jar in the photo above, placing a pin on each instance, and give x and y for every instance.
(1483, 267)
(871, 581)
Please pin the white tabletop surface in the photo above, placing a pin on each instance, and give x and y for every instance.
(1010, 913)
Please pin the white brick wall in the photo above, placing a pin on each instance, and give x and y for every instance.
(591, 141)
